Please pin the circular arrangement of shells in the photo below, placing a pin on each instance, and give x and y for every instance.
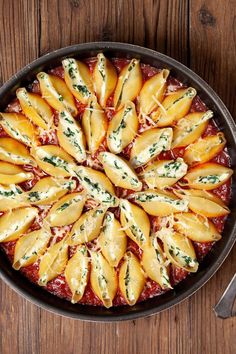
(87, 166)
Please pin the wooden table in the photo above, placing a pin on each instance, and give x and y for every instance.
(200, 34)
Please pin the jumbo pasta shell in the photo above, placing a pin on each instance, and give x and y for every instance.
(56, 93)
(105, 78)
(112, 240)
(196, 227)
(119, 172)
(77, 273)
(131, 279)
(103, 279)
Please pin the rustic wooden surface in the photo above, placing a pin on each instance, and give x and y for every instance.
(199, 33)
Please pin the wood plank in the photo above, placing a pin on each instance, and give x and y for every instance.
(19, 35)
(212, 56)
(213, 46)
(172, 27)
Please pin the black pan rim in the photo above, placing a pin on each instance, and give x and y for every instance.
(188, 74)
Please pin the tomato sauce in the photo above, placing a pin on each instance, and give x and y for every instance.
(59, 286)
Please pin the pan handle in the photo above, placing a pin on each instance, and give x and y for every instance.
(224, 308)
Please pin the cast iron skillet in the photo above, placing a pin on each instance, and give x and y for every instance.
(211, 262)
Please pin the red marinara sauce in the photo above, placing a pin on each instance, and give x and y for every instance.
(58, 286)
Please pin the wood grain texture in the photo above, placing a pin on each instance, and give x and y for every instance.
(198, 33)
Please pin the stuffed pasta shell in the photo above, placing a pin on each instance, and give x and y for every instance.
(180, 251)
(78, 79)
(164, 173)
(207, 176)
(190, 128)
(13, 174)
(203, 202)
(11, 197)
(129, 84)
(35, 108)
(196, 227)
(88, 226)
(154, 264)
(56, 93)
(131, 278)
(160, 203)
(119, 172)
(53, 262)
(97, 185)
(77, 273)
(153, 92)
(94, 123)
(15, 152)
(71, 137)
(30, 247)
(53, 160)
(103, 279)
(150, 144)
(204, 149)
(67, 210)
(15, 222)
(122, 128)
(105, 78)
(112, 240)
(19, 128)
(135, 222)
(174, 107)
(48, 190)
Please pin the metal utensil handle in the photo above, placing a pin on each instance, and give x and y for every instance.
(224, 307)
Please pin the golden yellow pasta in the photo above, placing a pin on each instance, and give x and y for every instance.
(105, 78)
(78, 79)
(103, 278)
(150, 144)
(77, 273)
(48, 190)
(203, 202)
(35, 108)
(207, 176)
(160, 203)
(94, 123)
(153, 262)
(196, 227)
(119, 172)
(12, 174)
(97, 185)
(15, 222)
(30, 246)
(71, 137)
(56, 93)
(88, 227)
(53, 262)
(53, 160)
(153, 92)
(19, 128)
(174, 107)
(11, 197)
(205, 149)
(135, 222)
(122, 128)
(180, 251)
(131, 279)
(112, 240)
(163, 173)
(190, 128)
(129, 84)
(13, 151)
(67, 210)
